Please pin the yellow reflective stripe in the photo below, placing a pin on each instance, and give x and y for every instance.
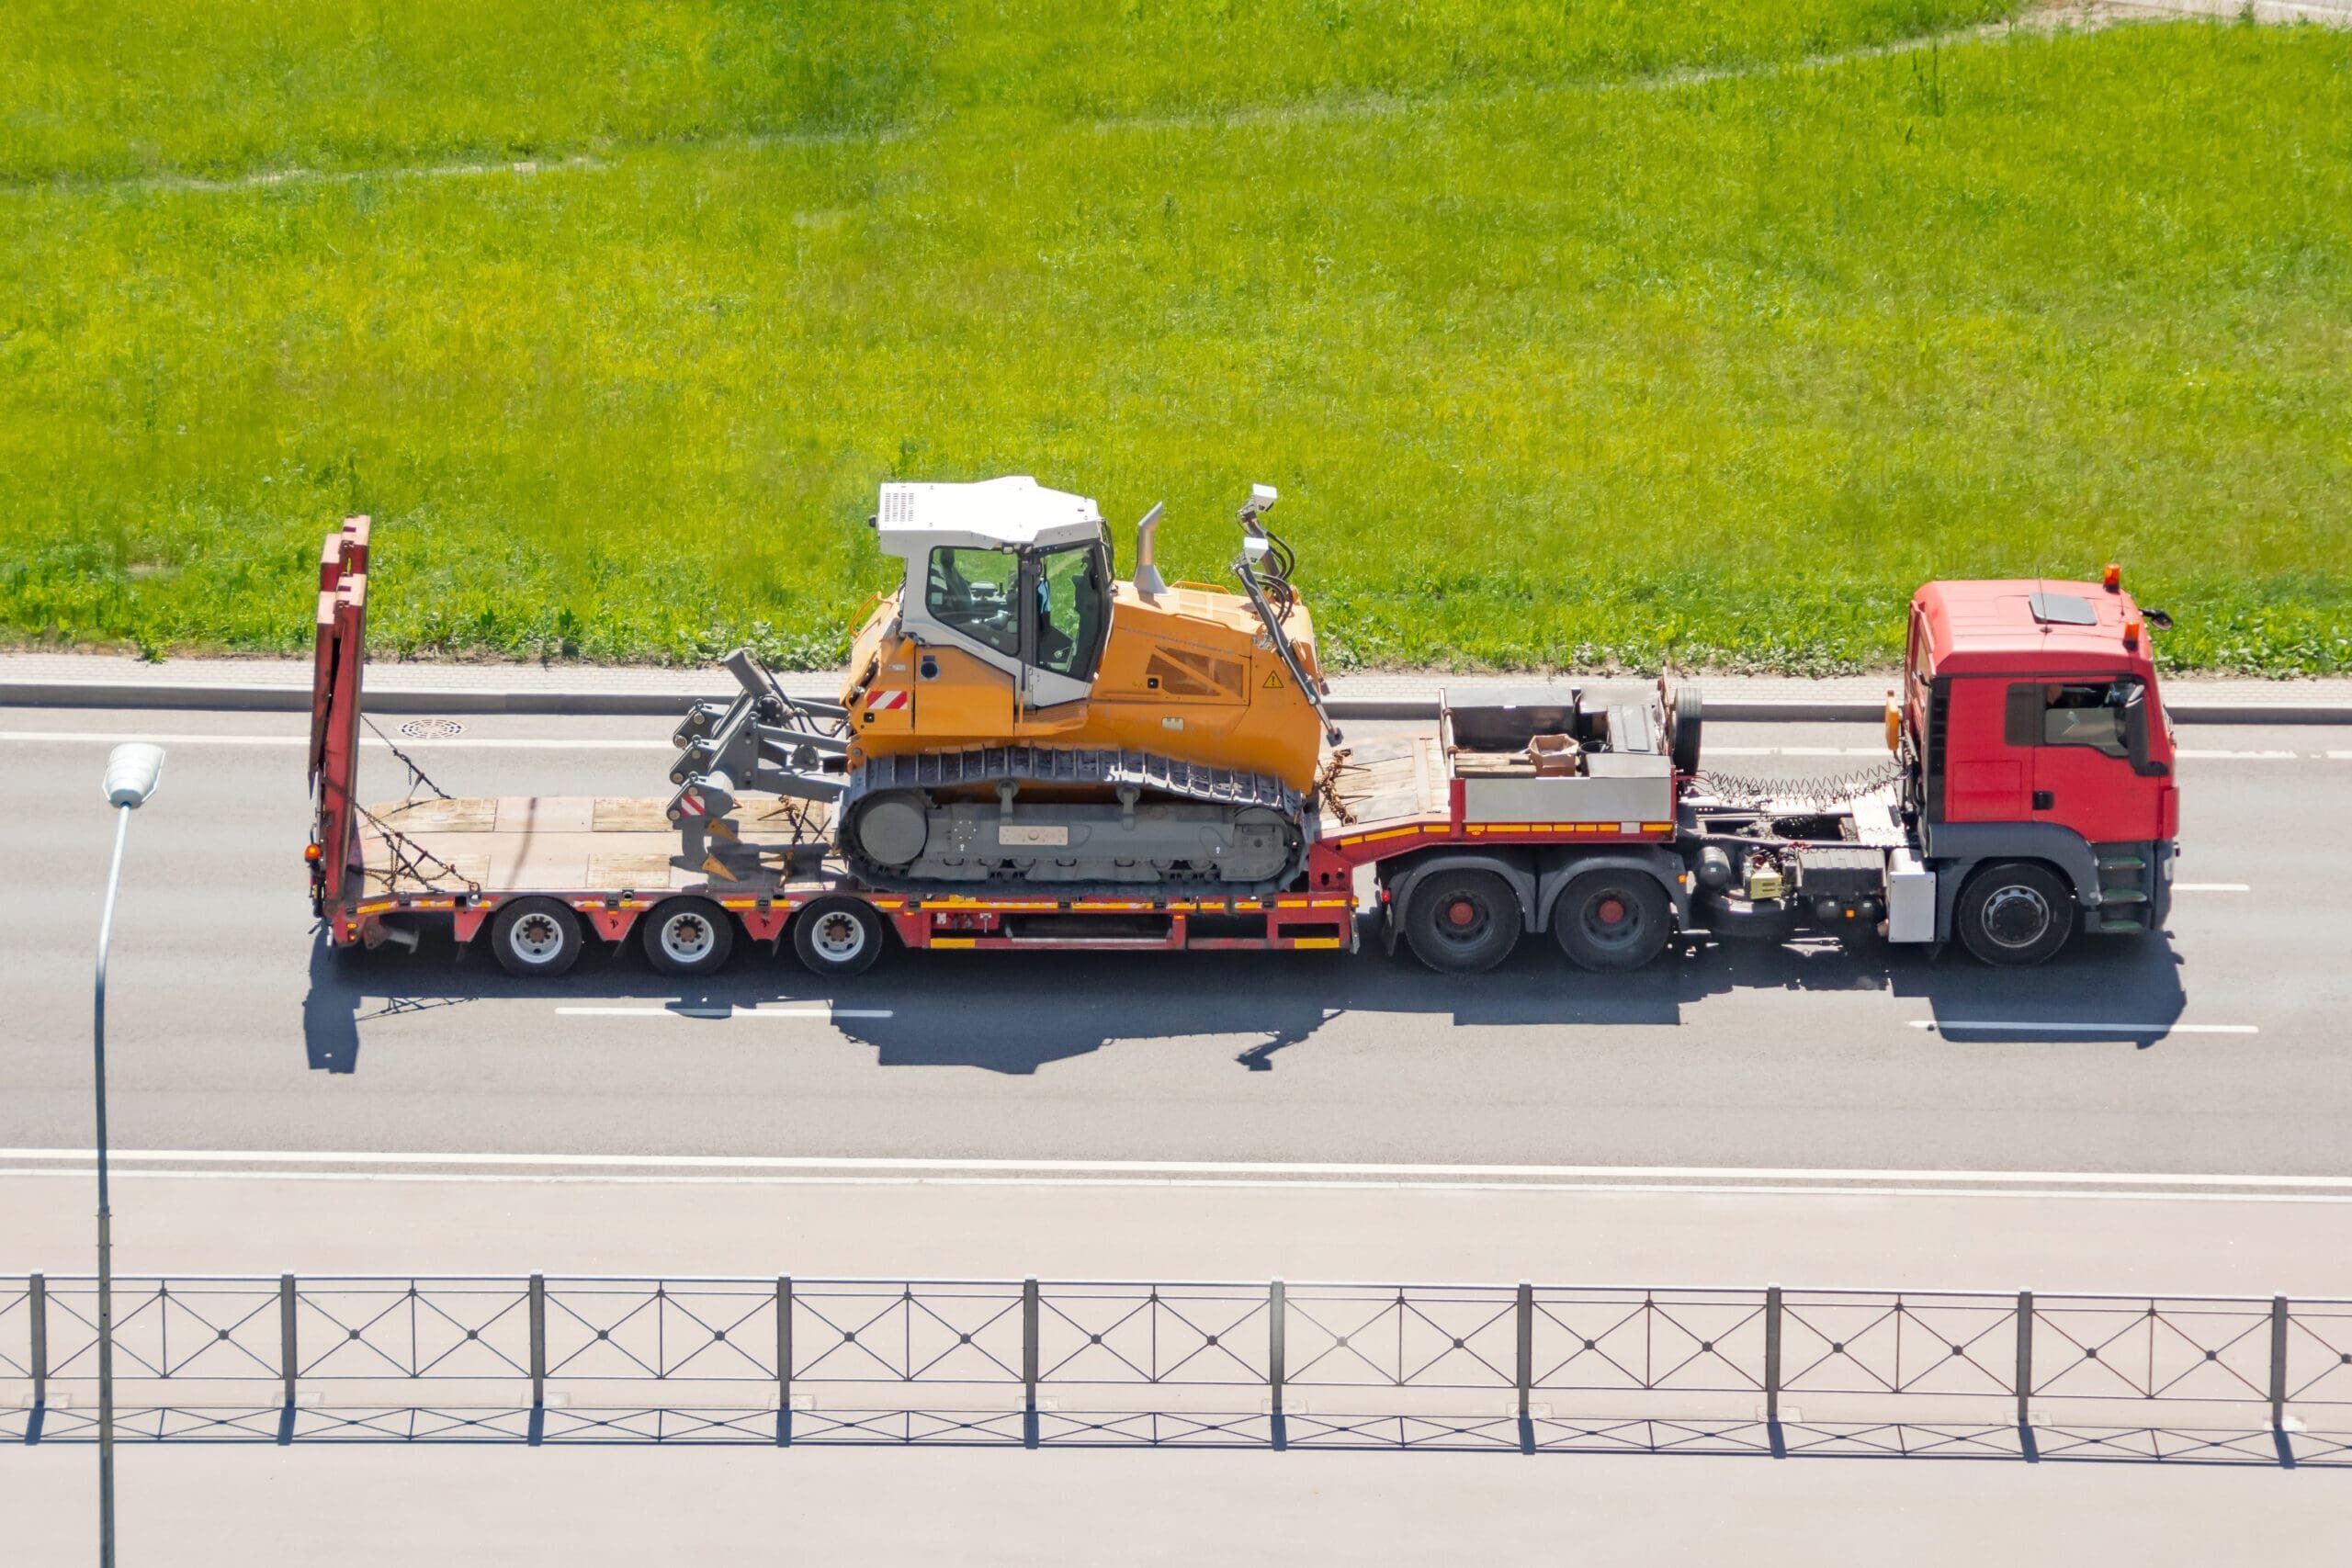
(1386, 833)
(955, 940)
(1315, 941)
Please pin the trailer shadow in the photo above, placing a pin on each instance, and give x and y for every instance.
(1017, 1012)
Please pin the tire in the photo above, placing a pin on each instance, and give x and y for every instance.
(1462, 922)
(535, 938)
(687, 936)
(1684, 727)
(2016, 913)
(838, 937)
(1612, 919)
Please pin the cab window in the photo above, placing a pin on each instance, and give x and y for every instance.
(1069, 610)
(974, 593)
(2070, 713)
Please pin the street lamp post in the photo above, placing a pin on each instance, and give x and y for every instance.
(131, 775)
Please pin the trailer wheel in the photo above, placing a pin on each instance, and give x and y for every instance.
(688, 936)
(1460, 922)
(1612, 918)
(2015, 913)
(838, 936)
(536, 937)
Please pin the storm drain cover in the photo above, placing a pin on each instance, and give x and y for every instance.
(432, 730)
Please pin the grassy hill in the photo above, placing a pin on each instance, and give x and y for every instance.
(1610, 334)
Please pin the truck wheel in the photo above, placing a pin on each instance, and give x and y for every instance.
(1613, 919)
(688, 936)
(1460, 922)
(838, 937)
(536, 937)
(2015, 913)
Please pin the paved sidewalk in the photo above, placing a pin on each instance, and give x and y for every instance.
(99, 680)
(364, 1507)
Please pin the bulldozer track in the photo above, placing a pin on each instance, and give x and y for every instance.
(1104, 769)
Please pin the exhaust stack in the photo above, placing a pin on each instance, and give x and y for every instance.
(1149, 582)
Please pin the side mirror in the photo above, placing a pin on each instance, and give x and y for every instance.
(2136, 734)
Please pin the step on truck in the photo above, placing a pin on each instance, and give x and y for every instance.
(2027, 798)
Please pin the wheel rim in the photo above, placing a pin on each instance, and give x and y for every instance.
(687, 938)
(1612, 919)
(2016, 915)
(1464, 918)
(840, 936)
(535, 938)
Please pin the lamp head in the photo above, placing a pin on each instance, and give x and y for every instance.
(132, 771)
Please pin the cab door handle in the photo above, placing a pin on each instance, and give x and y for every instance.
(2045, 800)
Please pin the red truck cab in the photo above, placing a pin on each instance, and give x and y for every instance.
(2035, 735)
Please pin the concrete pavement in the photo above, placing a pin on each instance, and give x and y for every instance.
(215, 1507)
(364, 1218)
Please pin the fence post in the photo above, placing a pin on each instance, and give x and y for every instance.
(1277, 1311)
(783, 1361)
(2277, 1363)
(2025, 1358)
(538, 1306)
(783, 1342)
(1526, 1345)
(287, 1363)
(1029, 1344)
(289, 1360)
(37, 1304)
(1772, 1354)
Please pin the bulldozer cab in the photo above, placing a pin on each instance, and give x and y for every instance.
(1013, 573)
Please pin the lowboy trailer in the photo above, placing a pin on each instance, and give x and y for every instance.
(2027, 797)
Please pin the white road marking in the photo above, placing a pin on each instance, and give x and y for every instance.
(1258, 1184)
(1694, 1177)
(1980, 1026)
(93, 738)
(2340, 756)
(726, 1013)
(2211, 887)
(2239, 756)
(482, 743)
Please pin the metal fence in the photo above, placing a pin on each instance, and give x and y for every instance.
(1028, 1361)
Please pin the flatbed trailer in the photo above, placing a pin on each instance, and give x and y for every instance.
(1587, 818)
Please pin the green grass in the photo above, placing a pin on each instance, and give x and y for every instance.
(111, 88)
(1550, 369)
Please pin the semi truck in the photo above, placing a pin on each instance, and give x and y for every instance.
(2027, 798)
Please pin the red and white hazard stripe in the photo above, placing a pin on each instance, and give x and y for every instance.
(887, 702)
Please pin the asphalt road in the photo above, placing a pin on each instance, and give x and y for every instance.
(230, 1032)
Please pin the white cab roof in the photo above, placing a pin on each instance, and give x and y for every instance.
(1014, 511)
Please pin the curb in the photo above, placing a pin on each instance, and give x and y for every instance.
(261, 697)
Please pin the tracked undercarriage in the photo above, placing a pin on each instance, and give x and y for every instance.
(1020, 815)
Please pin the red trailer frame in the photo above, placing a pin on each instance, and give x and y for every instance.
(357, 885)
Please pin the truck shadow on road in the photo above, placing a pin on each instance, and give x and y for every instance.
(1015, 1013)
